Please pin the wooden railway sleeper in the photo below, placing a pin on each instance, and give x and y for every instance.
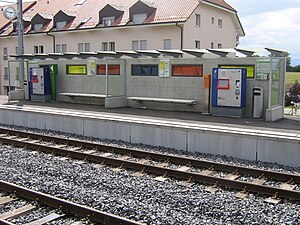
(242, 194)
(273, 199)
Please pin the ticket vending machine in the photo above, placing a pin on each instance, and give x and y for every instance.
(229, 88)
(40, 84)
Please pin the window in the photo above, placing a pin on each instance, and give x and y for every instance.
(5, 53)
(220, 23)
(60, 25)
(237, 40)
(35, 49)
(5, 75)
(167, 44)
(187, 70)
(107, 21)
(112, 69)
(212, 20)
(211, 45)
(80, 47)
(197, 44)
(38, 49)
(104, 46)
(83, 47)
(108, 46)
(76, 69)
(61, 48)
(135, 45)
(41, 49)
(37, 27)
(139, 45)
(219, 45)
(198, 20)
(58, 48)
(143, 44)
(80, 2)
(139, 18)
(112, 46)
(87, 47)
(144, 70)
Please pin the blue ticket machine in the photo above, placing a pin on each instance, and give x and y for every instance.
(229, 89)
(40, 84)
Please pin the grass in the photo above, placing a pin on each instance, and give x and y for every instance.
(291, 77)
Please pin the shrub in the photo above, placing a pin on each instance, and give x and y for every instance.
(293, 95)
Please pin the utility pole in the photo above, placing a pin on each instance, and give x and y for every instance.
(20, 42)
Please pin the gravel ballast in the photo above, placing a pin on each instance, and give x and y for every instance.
(142, 198)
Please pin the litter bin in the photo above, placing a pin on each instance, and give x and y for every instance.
(258, 102)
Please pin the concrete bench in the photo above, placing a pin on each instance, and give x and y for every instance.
(166, 100)
(82, 95)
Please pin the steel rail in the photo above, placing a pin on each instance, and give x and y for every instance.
(195, 177)
(67, 206)
(4, 222)
(284, 177)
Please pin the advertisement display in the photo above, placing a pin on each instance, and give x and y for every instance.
(164, 68)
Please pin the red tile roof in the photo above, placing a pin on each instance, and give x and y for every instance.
(221, 3)
(166, 11)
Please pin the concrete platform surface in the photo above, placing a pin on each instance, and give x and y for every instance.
(291, 123)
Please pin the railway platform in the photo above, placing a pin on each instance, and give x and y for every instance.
(247, 138)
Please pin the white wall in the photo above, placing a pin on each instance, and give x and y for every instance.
(208, 32)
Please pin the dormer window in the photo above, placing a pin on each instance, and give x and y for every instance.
(141, 11)
(60, 25)
(37, 27)
(107, 21)
(39, 21)
(110, 15)
(139, 18)
(26, 23)
(63, 18)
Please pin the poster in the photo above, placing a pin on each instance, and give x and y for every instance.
(164, 68)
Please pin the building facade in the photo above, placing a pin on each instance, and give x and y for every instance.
(116, 25)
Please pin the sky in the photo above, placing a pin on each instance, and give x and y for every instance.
(270, 23)
(267, 23)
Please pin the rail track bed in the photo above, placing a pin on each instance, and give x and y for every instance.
(241, 182)
(21, 202)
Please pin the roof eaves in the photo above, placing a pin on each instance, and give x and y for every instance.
(242, 34)
(69, 13)
(118, 8)
(221, 6)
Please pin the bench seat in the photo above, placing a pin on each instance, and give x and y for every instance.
(166, 100)
(82, 95)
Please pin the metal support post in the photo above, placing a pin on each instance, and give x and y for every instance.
(20, 42)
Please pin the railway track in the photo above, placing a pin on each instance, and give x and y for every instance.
(59, 208)
(188, 170)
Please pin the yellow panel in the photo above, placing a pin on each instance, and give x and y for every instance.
(250, 69)
(76, 69)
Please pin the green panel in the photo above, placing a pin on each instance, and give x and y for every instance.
(53, 78)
